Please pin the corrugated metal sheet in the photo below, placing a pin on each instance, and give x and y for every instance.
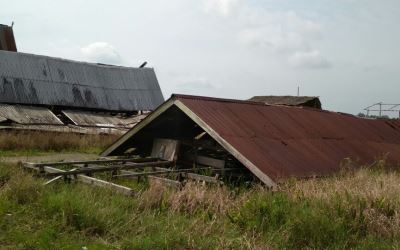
(28, 115)
(310, 101)
(90, 119)
(289, 141)
(40, 80)
(7, 40)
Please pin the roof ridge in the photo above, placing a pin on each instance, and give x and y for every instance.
(208, 98)
(74, 61)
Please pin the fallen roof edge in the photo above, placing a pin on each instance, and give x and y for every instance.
(228, 147)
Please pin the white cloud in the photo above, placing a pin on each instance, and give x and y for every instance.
(282, 32)
(311, 60)
(195, 85)
(101, 52)
(222, 7)
(274, 38)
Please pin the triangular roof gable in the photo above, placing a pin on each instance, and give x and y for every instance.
(174, 100)
(277, 142)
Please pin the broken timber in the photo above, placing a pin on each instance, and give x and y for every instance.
(167, 182)
(83, 168)
(197, 177)
(62, 163)
(95, 182)
(92, 169)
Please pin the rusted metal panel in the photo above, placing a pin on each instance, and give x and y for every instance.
(279, 142)
(288, 141)
(28, 115)
(90, 119)
(7, 40)
(40, 80)
(306, 101)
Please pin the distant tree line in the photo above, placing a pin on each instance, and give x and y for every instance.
(374, 116)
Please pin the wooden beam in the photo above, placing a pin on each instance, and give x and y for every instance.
(199, 177)
(89, 170)
(204, 178)
(95, 182)
(159, 172)
(56, 178)
(206, 161)
(168, 182)
(135, 160)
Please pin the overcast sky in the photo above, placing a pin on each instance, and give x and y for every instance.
(345, 51)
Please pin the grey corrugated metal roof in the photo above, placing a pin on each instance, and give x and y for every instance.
(41, 80)
(82, 118)
(28, 115)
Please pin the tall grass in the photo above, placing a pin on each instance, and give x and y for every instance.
(53, 141)
(358, 210)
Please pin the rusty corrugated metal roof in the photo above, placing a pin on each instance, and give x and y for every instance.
(278, 142)
(286, 100)
(28, 115)
(41, 80)
(7, 40)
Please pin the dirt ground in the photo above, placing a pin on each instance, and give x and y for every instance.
(56, 157)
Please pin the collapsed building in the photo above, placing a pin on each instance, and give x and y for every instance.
(270, 142)
(300, 101)
(46, 93)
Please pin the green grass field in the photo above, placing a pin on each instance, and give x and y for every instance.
(353, 210)
(358, 210)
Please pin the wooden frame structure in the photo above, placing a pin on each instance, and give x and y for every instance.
(131, 168)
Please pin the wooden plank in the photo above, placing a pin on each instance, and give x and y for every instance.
(100, 183)
(199, 177)
(165, 149)
(204, 178)
(206, 161)
(168, 182)
(135, 160)
(56, 178)
(89, 170)
(159, 172)
(52, 180)
(95, 182)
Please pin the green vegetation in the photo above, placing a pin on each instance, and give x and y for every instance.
(357, 210)
(31, 143)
